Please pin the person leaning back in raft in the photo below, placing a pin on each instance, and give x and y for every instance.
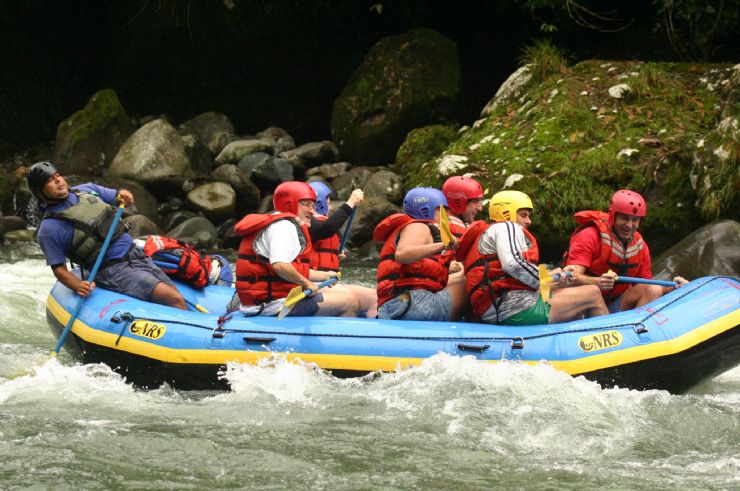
(275, 256)
(608, 244)
(501, 272)
(414, 273)
(65, 232)
(326, 242)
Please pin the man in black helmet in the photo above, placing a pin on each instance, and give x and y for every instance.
(75, 224)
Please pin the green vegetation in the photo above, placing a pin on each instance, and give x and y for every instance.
(570, 145)
(544, 59)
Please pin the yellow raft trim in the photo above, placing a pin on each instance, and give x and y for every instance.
(385, 363)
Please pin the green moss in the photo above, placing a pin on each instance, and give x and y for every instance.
(563, 137)
(423, 144)
(99, 110)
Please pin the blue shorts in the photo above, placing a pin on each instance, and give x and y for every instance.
(615, 305)
(418, 305)
(135, 275)
(307, 307)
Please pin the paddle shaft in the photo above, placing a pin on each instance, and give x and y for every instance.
(347, 229)
(645, 281)
(91, 278)
(321, 285)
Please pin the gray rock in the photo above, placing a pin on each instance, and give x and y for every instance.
(354, 179)
(369, 214)
(216, 200)
(155, 157)
(265, 170)
(369, 250)
(265, 205)
(508, 91)
(236, 150)
(247, 194)
(88, 140)
(386, 184)
(278, 137)
(405, 82)
(714, 249)
(24, 235)
(175, 218)
(198, 232)
(12, 222)
(620, 91)
(311, 154)
(213, 129)
(198, 154)
(329, 171)
(141, 226)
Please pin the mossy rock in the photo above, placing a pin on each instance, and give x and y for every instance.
(405, 82)
(560, 140)
(87, 141)
(423, 144)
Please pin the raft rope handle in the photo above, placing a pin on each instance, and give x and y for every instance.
(515, 339)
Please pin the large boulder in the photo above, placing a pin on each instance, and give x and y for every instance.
(312, 154)
(405, 82)
(369, 214)
(714, 249)
(386, 184)
(509, 90)
(238, 149)
(141, 226)
(278, 137)
(198, 232)
(155, 157)
(265, 170)
(214, 130)
(354, 179)
(216, 200)
(247, 194)
(91, 137)
(423, 144)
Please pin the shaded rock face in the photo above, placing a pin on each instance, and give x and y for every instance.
(247, 194)
(509, 90)
(155, 157)
(91, 137)
(369, 214)
(197, 231)
(265, 170)
(214, 130)
(423, 144)
(714, 249)
(141, 226)
(406, 81)
(354, 179)
(386, 184)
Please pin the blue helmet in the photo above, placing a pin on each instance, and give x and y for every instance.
(322, 192)
(420, 203)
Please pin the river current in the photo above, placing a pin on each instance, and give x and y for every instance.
(451, 423)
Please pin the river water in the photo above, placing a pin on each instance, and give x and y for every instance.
(451, 423)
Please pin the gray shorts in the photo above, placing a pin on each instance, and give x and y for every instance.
(418, 305)
(135, 276)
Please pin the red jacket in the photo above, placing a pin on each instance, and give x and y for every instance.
(457, 227)
(325, 255)
(485, 277)
(256, 280)
(394, 278)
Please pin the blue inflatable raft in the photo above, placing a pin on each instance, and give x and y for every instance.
(681, 339)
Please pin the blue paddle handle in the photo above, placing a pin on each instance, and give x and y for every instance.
(167, 257)
(346, 230)
(90, 278)
(321, 285)
(556, 276)
(165, 265)
(632, 279)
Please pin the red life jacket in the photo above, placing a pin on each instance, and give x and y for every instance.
(394, 278)
(485, 278)
(325, 255)
(178, 259)
(256, 280)
(457, 226)
(614, 254)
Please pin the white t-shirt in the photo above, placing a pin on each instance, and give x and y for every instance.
(507, 240)
(280, 242)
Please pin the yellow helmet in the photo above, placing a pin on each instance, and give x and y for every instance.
(504, 205)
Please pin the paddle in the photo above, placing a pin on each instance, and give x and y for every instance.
(546, 279)
(645, 281)
(346, 230)
(444, 226)
(90, 278)
(297, 294)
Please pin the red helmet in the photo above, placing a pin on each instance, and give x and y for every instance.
(459, 190)
(289, 193)
(627, 202)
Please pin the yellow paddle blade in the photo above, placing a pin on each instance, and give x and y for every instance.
(444, 226)
(294, 296)
(545, 281)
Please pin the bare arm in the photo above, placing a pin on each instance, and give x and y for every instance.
(66, 278)
(415, 243)
(288, 272)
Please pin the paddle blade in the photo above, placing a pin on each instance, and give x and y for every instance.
(545, 281)
(444, 226)
(294, 296)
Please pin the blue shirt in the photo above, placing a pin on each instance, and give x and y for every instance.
(55, 235)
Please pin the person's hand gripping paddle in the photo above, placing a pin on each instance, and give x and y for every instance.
(297, 294)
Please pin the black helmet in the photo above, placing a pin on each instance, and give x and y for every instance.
(38, 175)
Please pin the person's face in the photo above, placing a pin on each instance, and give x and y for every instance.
(56, 188)
(328, 206)
(524, 217)
(473, 207)
(625, 225)
(305, 210)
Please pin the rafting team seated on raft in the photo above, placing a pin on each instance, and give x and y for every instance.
(486, 272)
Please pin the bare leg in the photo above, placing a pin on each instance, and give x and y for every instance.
(368, 298)
(340, 303)
(576, 302)
(456, 287)
(168, 295)
(639, 295)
